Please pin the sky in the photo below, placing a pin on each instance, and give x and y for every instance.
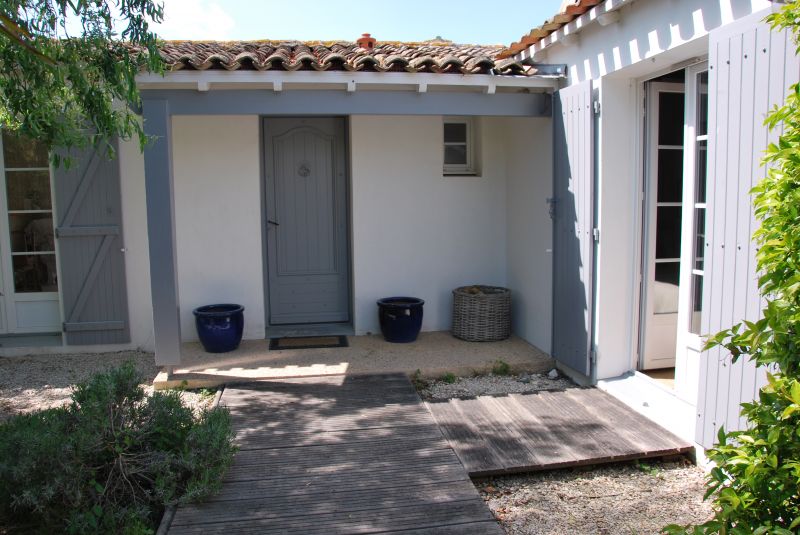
(464, 21)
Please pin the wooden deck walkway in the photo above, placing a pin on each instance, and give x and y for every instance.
(335, 455)
(550, 429)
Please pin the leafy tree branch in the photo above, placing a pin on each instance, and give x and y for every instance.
(68, 68)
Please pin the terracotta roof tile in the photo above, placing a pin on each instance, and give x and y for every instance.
(432, 57)
(569, 11)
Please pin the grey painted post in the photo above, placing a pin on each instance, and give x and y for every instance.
(161, 232)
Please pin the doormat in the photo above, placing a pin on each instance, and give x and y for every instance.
(308, 342)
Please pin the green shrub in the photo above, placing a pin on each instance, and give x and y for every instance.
(501, 367)
(448, 378)
(756, 479)
(111, 460)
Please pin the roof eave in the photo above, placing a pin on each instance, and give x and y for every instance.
(348, 81)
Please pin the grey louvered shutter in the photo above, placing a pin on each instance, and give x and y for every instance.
(750, 71)
(88, 211)
(573, 225)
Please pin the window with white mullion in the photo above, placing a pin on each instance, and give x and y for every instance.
(458, 141)
(29, 209)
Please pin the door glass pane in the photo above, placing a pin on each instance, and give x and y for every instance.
(697, 304)
(23, 152)
(702, 169)
(668, 232)
(455, 133)
(665, 289)
(28, 190)
(702, 103)
(35, 273)
(699, 237)
(31, 232)
(670, 175)
(670, 118)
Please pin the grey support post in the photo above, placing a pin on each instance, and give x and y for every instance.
(161, 232)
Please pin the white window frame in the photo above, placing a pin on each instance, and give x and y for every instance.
(470, 168)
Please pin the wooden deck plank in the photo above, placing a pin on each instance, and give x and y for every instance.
(549, 429)
(338, 455)
(356, 522)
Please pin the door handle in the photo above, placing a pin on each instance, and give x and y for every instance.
(271, 222)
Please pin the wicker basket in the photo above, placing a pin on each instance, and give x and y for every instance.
(481, 313)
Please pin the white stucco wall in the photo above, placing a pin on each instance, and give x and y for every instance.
(650, 38)
(216, 161)
(650, 35)
(416, 232)
(529, 175)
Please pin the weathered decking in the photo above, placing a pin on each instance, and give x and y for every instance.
(333, 455)
(524, 432)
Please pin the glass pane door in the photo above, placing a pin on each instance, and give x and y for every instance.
(664, 216)
(30, 299)
(699, 203)
(30, 215)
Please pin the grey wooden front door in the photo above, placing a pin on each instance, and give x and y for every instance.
(306, 220)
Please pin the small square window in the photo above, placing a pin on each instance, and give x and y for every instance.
(459, 146)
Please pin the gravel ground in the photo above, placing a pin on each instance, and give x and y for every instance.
(38, 382)
(626, 498)
(493, 384)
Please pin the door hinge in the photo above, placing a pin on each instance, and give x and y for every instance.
(596, 107)
(596, 234)
(593, 356)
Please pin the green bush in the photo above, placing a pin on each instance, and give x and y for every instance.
(110, 461)
(755, 483)
(501, 367)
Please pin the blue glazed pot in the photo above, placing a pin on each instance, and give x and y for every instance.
(219, 327)
(400, 318)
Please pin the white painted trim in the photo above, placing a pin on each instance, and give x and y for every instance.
(350, 81)
(600, 13)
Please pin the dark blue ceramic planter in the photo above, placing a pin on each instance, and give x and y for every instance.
(400, 318)
(219, 327)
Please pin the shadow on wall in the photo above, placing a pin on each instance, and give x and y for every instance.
(646, 29)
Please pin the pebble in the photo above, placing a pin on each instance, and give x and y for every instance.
(553, 374)
(483, 385)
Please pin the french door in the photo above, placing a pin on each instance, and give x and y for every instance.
(664, 209)
(693, 244)
(29, 299)
(675, 208)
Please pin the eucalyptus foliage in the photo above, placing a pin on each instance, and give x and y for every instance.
(69, 66)
(755, 483)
